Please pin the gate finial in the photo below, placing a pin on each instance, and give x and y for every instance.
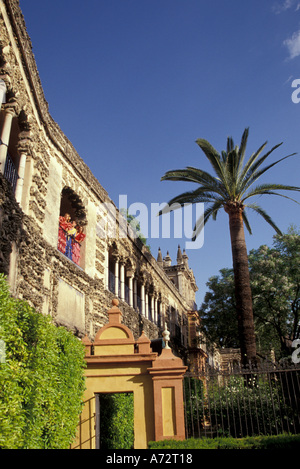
(166, 337)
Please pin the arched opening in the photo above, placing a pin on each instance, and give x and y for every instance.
(129, 272)
(159, 313)
(12, 159)
(139, 297)
(72, 222)
(111, 272)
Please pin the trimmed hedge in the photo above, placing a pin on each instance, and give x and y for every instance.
(258, 442)
(41, 378)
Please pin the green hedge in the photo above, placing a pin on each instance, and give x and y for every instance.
(258, 442)
(41, 378)
(116, 421)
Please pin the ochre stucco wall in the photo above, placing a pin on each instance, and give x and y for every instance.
(121, 364)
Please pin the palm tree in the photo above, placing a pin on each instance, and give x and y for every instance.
(230, 188)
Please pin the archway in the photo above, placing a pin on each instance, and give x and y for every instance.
(72, 222)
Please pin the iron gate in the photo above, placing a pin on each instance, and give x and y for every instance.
(242, 402)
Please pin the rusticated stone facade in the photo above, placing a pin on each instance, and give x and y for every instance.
(41, 179)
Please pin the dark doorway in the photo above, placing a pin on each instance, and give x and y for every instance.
(115, 421)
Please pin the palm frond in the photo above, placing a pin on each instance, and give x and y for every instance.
(246, 222)
(265, 216)
(200, 195)
(214, 183)
(242, 149)
(233, 162)
(268, 189)
(181, 175)
(231, 181)
(201, 222)
(254, 174)
(230, 144)
(214, 158)
(248, 165)
(191, 174)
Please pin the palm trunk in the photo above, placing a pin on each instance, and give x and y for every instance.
(243, 293)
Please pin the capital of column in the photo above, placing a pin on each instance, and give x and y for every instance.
(122, 261)
(11, 107)
(25, 141)
(142, 280)
(116, 257)
(155, 294)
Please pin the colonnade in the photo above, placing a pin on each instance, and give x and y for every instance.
(137, 292)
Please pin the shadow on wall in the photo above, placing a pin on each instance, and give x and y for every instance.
(11, 224)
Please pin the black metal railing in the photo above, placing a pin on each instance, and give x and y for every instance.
(243, 402)
(73, 251)
(10, 172)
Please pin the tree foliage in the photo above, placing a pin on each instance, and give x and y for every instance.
(217, 312)
(232, 183)
(41, 378)
(275, 284)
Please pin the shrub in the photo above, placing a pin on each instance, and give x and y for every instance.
(116, 421)
(259, 442)
(254, 408)
(238, 405)
(41, 378)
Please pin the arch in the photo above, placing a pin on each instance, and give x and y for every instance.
(72, 222)
(113, 269)
(71, 203)
(12, 158)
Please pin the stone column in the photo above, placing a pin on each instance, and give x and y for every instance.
(142, 300)
(24, 152)
(5, 133)
(155, 310)
(152, 309)
(3, 91)
(135, 293)
(106, 269)
(147, 305)
(122, 280)
(130, 282)
(117, 277)
(20, 182)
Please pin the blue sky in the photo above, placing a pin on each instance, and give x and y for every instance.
(133, 84)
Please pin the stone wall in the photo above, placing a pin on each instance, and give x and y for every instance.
(54, 176)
